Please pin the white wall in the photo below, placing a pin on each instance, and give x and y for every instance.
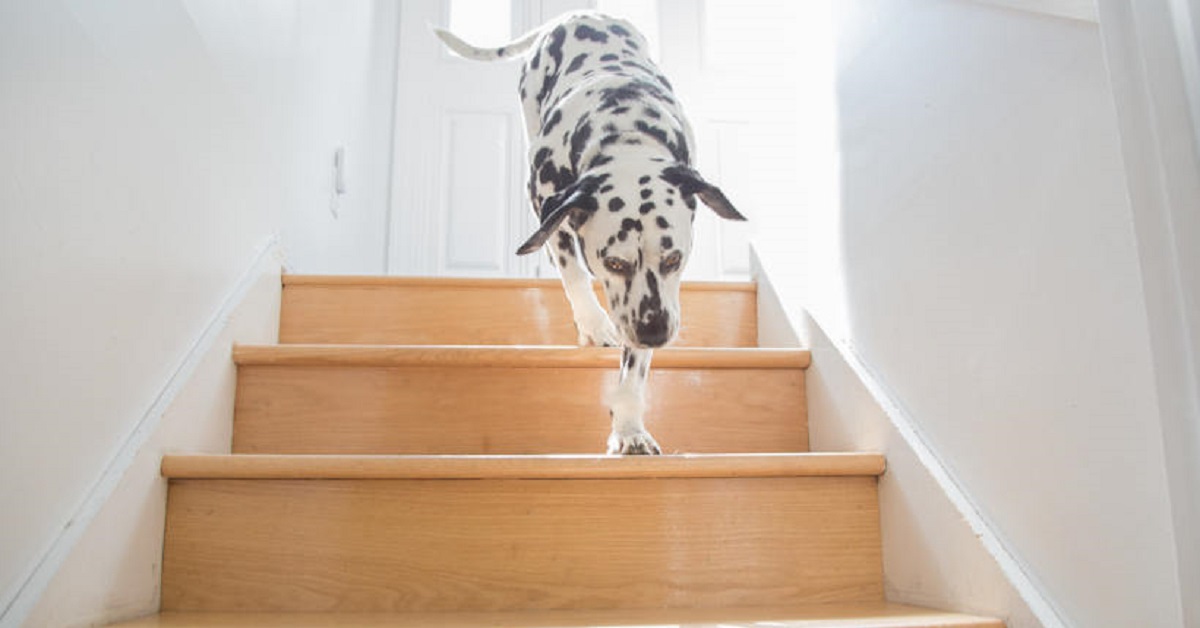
(979, 256)
(1154, 58)
(932, 554)
(113, 571)
(150, 148)
(319, 75)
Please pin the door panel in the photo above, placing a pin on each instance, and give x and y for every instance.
(476, 225)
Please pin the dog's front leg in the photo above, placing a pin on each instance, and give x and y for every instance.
(592, 322)
(628, 405)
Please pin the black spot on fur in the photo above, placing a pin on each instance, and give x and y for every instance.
(558, 178)
(652, 321)
(618, 30)
(613, 96)
(661, 136)
(577, 62)
(644, 179)
(646, 208)
(620, 110)
(667, 242)
(652, 113)
(606, 189)
(637, 66)
(565, 243)
(609, 57)
(557, 38)
(671, 202)
(646, 192)
(580, 218)
(599, 160)
(583, 247)
(681, 152)
(587, 33)
(555, 118)
(609, 139)
(540, 157)
(579, 142)
(651, 300)
(615, 205)
(632, 44)
(662, 223)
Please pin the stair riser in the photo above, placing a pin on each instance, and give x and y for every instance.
(489, 545)
(475, 410)
(536, 314)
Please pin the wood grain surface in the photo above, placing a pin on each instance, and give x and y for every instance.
(491, 410)
(494, 545)
(392, 310)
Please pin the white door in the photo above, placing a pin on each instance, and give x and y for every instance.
(458, 203)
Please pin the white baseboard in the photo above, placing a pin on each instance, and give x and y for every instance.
(17, 610)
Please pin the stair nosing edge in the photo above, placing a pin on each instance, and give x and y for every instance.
(485, 283)
(530, 356)
(492, 467)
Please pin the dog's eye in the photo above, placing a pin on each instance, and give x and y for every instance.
(671, 262)
(618, 265)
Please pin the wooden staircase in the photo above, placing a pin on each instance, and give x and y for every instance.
(423, 452)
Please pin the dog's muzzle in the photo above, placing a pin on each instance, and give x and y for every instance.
(656, 330)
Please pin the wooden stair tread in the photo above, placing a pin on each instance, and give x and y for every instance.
(533, 356)
(433, 310)
(846, 615)
(414, 399)
(479, 282)
(247, 466)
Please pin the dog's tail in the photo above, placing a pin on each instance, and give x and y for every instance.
(511, 49)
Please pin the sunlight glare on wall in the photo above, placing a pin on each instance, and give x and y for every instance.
(482, 22)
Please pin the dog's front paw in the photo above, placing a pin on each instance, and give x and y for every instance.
(597, 330)
(635, 444)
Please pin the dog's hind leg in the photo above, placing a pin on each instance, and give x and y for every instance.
(591, 320)
(628, 405)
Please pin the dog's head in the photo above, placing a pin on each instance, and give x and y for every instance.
(634, 227)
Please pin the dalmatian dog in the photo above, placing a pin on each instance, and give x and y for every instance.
(612, 183)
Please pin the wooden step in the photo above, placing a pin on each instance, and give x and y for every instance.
(846, 615)
(548, 467)
(655, 535)
(439, 310)
(325, 399)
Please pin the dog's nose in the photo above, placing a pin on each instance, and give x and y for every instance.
(655, 331)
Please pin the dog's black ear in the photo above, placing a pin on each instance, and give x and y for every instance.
(690, 182)
(576, 199)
